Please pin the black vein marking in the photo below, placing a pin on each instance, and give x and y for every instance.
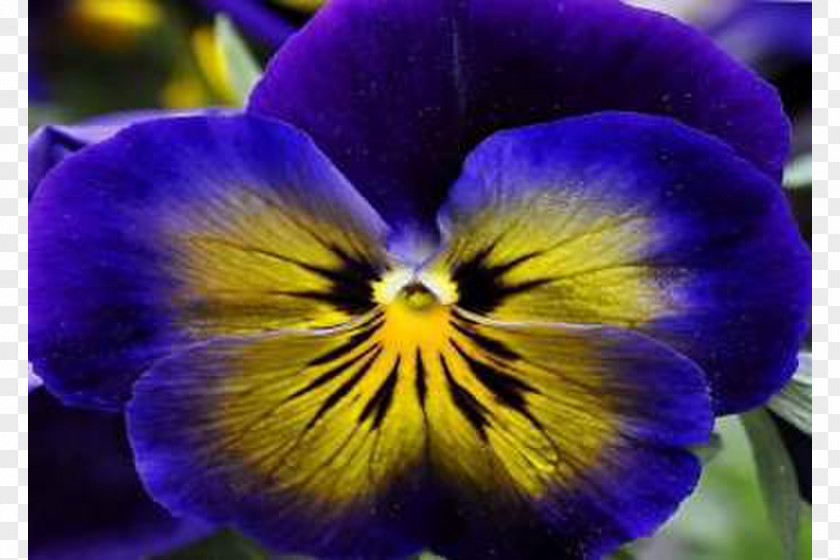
(352, 283)
(481, 286)
(475, 412)
(341, 350)
(350, 286)
(336, 396)
(507, 389)
(490, 345)
(382, 399)
(303, 220)
(335, 371)
(420, 379)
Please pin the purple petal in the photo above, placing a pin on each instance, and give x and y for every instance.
(33, 381)
(52, 144)
(85, 498)
(398, 92)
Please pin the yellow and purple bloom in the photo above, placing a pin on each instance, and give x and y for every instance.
(471, 276)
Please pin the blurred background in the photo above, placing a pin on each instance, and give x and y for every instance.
(89, 57)
(93, 57)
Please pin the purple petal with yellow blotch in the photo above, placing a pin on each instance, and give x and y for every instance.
(475, 439)
(638, 222)
(169, 191)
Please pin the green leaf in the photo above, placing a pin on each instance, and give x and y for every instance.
(40, 115)
(224, 545)
(242, 67)
(707, 453)
(794, 402)
(777, 478)
(798, 175)
(622, 554)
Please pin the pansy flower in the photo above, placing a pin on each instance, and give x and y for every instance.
(470, 276)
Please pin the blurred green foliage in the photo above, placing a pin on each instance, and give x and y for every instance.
(84, 65)
(224, 545)
(726, 518)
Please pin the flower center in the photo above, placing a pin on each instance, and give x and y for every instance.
(418, 297)
(417, 311)
(415, 290)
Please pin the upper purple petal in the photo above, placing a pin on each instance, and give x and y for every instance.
(397, 92)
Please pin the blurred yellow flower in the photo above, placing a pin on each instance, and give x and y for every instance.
(301, 5)
(114, 23)
(211, 61)
(208, 82)
(184, 91)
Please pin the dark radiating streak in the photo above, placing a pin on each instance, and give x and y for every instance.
(326, 273)
(486, 343)
(480, 284)
(335, 371)
(373, 321)
(475, 412)
(513, 289)
(339, 351)
(350, 285)
(349, 300)
(508, 389)
(420, 379)
(382, 399)
(336, 396)
(503, 268)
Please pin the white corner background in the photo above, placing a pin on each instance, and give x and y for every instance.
(14, 280)
(826, 238)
